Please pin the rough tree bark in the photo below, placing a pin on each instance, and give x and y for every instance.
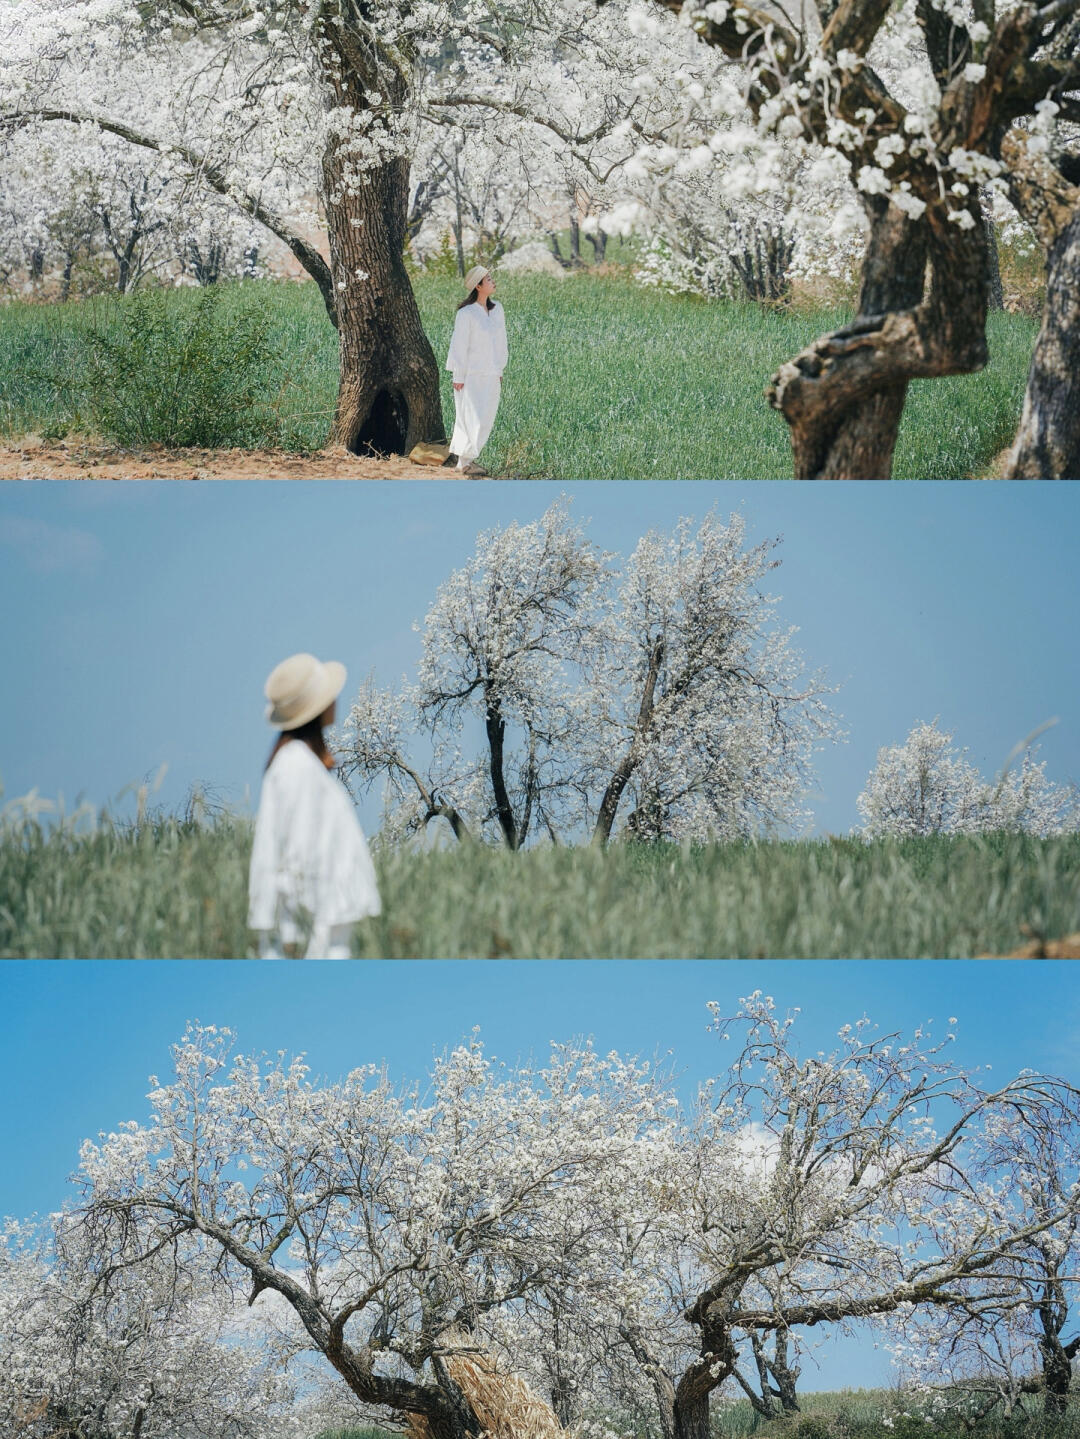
(609, 804)
(776, 1378)
(388, 392)
(1056, 1358)
(1047, 444)
(844, 395)
(700, 1379)
(785, 1375)
(994, 290)
(495, 727)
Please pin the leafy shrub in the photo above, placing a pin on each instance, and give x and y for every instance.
(180, 376)
(813, 1426)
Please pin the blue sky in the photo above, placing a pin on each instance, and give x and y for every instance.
(79, 1039)
(142, 618)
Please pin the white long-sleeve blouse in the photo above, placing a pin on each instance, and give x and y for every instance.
(478, 345)
(309, 852)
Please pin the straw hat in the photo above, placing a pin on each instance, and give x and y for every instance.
(473, 278)
(300, 688)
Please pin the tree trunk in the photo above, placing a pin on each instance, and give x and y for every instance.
(1047, 445)
(858, 442)
(444, 1411)
(784, 1375)
(1057, 1376)
(646, 823)
(658, 1376)
(454, 1419)
(458, 226)
(388, 394)
(495, 726)
(702, 1377)
(994, 293)
(605, 817)
(844, 395)
(65, 283)
(1053, 1311)
(692, 1416)
(575, 241)
(564, 1401)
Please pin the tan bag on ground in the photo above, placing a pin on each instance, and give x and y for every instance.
(427, 452)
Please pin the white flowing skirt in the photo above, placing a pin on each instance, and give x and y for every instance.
(475, 407)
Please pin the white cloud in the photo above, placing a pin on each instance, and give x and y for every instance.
(51, 549)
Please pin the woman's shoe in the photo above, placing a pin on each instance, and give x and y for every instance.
(473, 470)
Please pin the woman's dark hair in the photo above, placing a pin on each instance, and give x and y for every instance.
(312, 735)
(470, 299)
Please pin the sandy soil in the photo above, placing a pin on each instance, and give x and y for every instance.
(37, 459)
(1068, 947)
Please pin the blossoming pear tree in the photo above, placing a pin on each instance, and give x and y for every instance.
(272, 104)
(156, 1354)
(1014, 1339)
(391, 1222)
(579, 1205)
(929, 786)
(925, 105)
(77, 195)
(825, 1190)
(662, 689)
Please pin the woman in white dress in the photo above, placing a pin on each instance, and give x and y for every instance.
(311, 873)
(477, 359)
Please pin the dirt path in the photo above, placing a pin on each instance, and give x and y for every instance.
(37, 459)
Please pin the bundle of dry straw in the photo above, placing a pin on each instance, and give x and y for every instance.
(504, 1404)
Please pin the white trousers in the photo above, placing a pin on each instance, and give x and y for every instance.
(328, 941)
(475, 407)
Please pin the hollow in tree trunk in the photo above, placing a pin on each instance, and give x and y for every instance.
(388, 394)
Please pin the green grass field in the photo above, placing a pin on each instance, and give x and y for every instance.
(883, 1414)
(844, 1414)
(607, 380)
(175, 888)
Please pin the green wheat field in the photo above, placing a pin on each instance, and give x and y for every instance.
(607, 380)
(850, 1414)
(173, 887)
